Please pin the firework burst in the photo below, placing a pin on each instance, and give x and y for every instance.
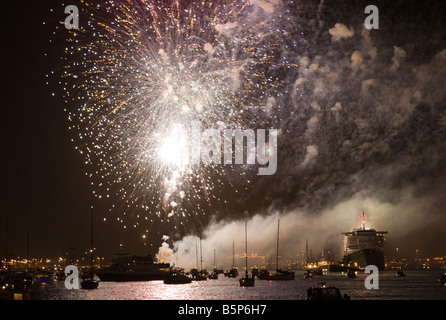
(140, 72)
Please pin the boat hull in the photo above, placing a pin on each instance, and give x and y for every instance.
(89, 284)
(247, 282)
(233, 273)
(179, 279)
(213, 276)
(199, 278)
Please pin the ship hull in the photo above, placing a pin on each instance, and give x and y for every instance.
(366, 257)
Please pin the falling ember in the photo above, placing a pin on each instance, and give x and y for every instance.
(140, 71)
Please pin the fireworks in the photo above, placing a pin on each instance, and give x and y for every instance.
(141, 72)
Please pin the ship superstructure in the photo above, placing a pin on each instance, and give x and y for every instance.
(364, 246)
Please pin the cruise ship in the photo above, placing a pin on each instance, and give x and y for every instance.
(364, 246)
(134, 268)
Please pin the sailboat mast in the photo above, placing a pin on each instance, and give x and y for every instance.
(201, 257)
(363, 220)
(233, 255)
(91, 243)
(91, 228)
(91, 234)
(277, 257)
(246, 247)
(306, 250)
(215, 261)
(196, 253)
(27, 246)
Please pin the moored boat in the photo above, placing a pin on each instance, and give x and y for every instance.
(280, 274)
(177, 277)
(198, 275)
(325, 293)
(400, 273)
(233, 273)
(90, 282)
(246, 280)
(351, 274)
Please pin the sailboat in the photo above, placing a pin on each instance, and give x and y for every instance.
(214, 274)
(280, 274)
(246, 281)
(90, 280)
(177, 276)
(233, 273)
(198, 275)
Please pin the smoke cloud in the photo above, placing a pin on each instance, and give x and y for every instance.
(363, 127)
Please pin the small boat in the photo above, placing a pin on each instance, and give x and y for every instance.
(43, 277)
(90, 282)
(246, 281)
(400, 273)
(281, 275)
(325, 293)
(442, 278)
(315, 271)
(198, 276)
(177, 277)
(308, 275)
(214, 275)
(233, 273)
(351, 274)
(263, 274)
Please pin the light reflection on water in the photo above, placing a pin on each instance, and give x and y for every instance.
(418, 285)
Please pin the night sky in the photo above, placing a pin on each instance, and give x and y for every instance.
(362, 127)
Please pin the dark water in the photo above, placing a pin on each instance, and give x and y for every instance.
(417, 285)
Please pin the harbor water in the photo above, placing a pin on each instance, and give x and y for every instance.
(417, 285)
